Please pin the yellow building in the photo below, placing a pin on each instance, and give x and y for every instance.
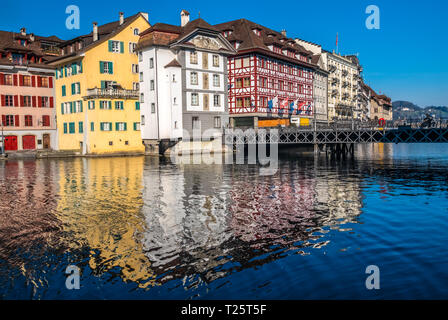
(97, 83)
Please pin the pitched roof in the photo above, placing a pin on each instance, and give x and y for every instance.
(163, 34)
(173, 63)
(243, 32)
(105, 31)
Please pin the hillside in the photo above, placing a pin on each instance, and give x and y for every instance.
(408, 110)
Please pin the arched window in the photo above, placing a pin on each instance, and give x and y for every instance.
(136, 31)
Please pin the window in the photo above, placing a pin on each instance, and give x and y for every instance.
(120, 126)
(76, 88)
(247, 82)
(216, 100)
(118, 105)
(134, 68)
(194, 99)
(193, 57)
(135, 86)
(45, 102)
(71, 127)
(174, 100)
(91, 105)
(26, 101)
(151, 63)
(142, 97)
(239, 102)
(8, 79)
(106, 67)
(140, 56)
(136, 126)
(153, 107)
(217, 122)
(141, 76)
(65, 127)
(247, 102)
(114, 46)
(136, 31)
(106, 126)
(28, 121)
(45, 121)
(44, 82)
(27, 81)
(239, 83)
(174, 78)
(137, 105)
(151, 85)
(216, 80)
(196, 123)
(105, 104)
(81, 126)
(92, 126)
(143, 120)
(132, 46)
(9, 100)
(215, 60)
(63, 91)
(194, 78)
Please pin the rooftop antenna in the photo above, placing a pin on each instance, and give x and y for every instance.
(199, 14)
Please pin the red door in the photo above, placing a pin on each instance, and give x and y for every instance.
(28, 142)
(10, 143)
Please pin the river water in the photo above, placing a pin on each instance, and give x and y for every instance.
(144, 228)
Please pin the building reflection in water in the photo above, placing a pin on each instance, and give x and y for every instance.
(206, 221)
(100, 208)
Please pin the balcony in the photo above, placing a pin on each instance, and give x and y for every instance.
(111, 93)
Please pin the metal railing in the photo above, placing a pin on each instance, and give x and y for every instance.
(111, 93)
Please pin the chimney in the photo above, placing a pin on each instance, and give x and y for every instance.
(284, 32)
(184, 17)
(23, 31)
(95, 31)
(146, 15)
(121, 18)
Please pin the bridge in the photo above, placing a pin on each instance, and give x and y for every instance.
(337, 138)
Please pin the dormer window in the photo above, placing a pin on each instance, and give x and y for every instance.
(227, 33)
(236, 44)
(257, 31)
(136, 31)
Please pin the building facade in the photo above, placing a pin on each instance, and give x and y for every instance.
(343, 87)
(270, 76)
(28, 116)
(97, 83)
(380, 106)
(183, 73)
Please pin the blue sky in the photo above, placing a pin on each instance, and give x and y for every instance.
(405, 59)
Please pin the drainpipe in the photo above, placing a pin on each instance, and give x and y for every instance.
(156, 84)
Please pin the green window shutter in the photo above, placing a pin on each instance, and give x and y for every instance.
(71, 107)
(121, 46)
(125, 126)
(65, 127)
(92, 126)
(56, 74)
(81, 127)
(73, 88)
(79, 86)
(93, 104)
(111, 67)
(110, 126)
(63, 91)
(103, 84)
(80, 66)
(62, 108)
(110, 45)
(109, 104)
(116, 126)
(101, 67)
(65, 70)
(102, 126)
(137, 105)
(80, 102)
(71, 127)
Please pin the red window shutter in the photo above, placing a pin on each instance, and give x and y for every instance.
(16, 100)
(4, 119)
(17, 121)
(2, 79)
(34, 101)
(21, 80)
(3, 100)
(21, 101)
(39, 81)
(33, 81)
(39, 102)
(51, 102)
(15, 79)
(50, 82)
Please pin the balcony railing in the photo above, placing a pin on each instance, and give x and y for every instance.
(111, 93)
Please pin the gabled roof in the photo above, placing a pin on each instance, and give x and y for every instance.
(173, 63)
(162, 34)
(243, 33)
(105, 32)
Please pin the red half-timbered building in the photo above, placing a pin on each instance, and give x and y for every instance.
(267, 66)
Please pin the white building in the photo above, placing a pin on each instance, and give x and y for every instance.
(183, 81)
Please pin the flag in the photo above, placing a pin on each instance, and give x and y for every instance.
(283, 106)
(309, 108)
(336, 39)
(291, 107)
(299, 108)
(272, 103)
